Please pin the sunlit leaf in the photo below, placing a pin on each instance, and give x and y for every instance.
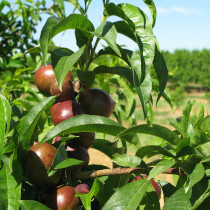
(32, 205)
(127, 197)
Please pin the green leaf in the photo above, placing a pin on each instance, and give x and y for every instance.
(142, 31)
(68, 163)
(5, 116)
(144, 92)
(128, 197)
(166, 95)
(206, 159)
(58, 53)
(60, 156)
(86, 76)
(198, 193)
(104, 146)
(168, 188)
(204, 124)
(122, 71)
(77, 5)
(44, 38)
(24, 103)
(108, 33)
(85, 123)
(65, 64)
(127, 160)
(152, 8)
(200, 116)
(161, 167)
(196, 175)
(178, 201)
(161, 70)
(32, 205)
(150, 200)
(73, 21)
(155, 130)
(154, 150)
(185, 120)
(86, 198)
(82, 37)
(31, 120)
(10, 190)
(108, 185)
(125, 53)
(130, 108)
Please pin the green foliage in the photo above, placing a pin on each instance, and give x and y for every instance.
(193, 67)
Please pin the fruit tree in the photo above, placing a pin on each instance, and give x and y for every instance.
(88, 99)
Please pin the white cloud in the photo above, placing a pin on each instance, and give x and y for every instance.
(182, 10)
(186, 11)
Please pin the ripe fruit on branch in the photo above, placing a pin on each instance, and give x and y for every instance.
(62, 198)
(96, 102)
(38, 161)
(44, 77)
(155, 185)
(53, 107)
(75, 150)
(67, 88)
(65, 110)
(86, 139)
(82, 188)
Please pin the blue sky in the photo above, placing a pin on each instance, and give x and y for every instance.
(180, 24)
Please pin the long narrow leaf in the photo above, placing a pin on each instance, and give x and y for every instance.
(85, 123)
(10, 190)
(65, 64)
(44, 38)
(5, 116)
(128, 197)
(31, 120)
(154, 130)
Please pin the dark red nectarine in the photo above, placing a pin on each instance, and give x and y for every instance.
(44, 77)
(65, 110)
(62, 198)
(67, 88)
(96, 102)
(38, 161)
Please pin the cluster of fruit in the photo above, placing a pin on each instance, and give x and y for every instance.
(40, 157)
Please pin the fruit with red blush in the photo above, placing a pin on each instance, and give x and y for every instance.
(82, 188)
(44, 77)
(67, 92)
(62, 198)
(38, 161)
(65, 110)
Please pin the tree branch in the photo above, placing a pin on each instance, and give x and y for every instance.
(117, 171)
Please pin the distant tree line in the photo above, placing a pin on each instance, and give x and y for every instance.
(189, 69)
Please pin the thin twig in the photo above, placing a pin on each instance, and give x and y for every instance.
(117, 171)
